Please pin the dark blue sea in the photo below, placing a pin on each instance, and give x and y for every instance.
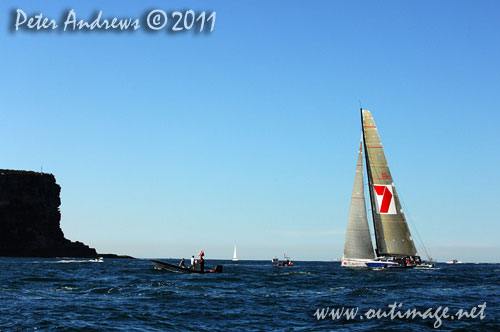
(129, 295)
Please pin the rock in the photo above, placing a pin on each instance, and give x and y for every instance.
(30, 218)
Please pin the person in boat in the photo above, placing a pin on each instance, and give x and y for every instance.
(202, 261)
(182, 263)
(202, 264)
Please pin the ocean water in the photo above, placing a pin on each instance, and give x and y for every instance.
(129, 295)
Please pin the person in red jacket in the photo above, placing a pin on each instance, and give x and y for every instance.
(202, 261)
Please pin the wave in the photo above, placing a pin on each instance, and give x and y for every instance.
(80, 261)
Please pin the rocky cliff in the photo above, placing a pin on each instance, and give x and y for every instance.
(30, 216)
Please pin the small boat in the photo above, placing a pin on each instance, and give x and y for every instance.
(179, 269)
(235, 259)
(286, 261)
(454, 261)
(395, 247)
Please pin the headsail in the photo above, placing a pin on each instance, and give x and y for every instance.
(391, 229)
(358, 243)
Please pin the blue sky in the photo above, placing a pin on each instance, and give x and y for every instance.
(167, 143)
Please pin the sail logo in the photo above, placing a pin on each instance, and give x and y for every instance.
(385, 199)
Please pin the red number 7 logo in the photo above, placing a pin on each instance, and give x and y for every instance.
(386, 194)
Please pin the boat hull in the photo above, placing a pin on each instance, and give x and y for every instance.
(285, 264)
(382, 264)
(364, 263)
(178, 269)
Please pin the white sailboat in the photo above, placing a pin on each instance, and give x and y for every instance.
(395, 247)
(235, 258)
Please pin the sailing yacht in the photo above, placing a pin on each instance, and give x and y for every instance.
(235, 259)
(394, 244)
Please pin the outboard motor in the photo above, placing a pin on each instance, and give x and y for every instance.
(218, 268)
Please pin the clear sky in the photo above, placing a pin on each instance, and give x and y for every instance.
(166, 143)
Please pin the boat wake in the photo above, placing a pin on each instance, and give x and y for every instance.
(427, 268)
(65, 261)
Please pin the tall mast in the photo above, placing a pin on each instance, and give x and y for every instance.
(370, 181)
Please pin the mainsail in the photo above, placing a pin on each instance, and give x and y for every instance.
(391, 229)
(358, 243)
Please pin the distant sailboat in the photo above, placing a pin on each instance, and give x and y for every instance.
(235, 258)
(395, 247)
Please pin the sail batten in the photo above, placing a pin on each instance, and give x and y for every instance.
(392, 234)
(358, 243)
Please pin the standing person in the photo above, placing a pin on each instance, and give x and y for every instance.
(202, 261)
(202, 264)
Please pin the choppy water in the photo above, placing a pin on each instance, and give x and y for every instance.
(129, 295)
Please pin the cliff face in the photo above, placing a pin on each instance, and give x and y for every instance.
(30, 216)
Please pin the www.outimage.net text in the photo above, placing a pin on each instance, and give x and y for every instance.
(395, 311)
